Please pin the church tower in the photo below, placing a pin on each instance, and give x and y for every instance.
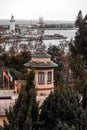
(12, 24)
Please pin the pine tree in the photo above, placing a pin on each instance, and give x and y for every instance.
(62, 107)
(23, 115)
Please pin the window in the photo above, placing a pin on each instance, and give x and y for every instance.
(41, 77)
(49, 77)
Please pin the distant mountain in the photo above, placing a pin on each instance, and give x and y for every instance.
(33, 22)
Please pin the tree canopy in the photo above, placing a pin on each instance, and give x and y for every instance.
(78, 49)
(79, 45)
(62, 108)
(15, 64)
(56, 56)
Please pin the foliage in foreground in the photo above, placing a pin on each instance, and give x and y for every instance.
(63, 109)
(24, 114)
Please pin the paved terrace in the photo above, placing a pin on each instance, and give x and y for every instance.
(6, 100)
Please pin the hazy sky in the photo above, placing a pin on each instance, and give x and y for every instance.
(48, 9)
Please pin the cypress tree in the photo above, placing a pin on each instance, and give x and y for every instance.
(79, 19)
(79, 45)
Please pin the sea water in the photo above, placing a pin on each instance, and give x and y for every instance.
(70, 34)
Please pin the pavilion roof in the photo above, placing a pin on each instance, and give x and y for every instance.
(33, 64)
(40, 54)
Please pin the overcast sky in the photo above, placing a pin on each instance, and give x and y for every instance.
(48, 9)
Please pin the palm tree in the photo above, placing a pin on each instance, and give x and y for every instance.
(78, 66)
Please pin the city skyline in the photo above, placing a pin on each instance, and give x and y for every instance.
(48, 9)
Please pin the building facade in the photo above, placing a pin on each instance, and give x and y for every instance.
(44, 74)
